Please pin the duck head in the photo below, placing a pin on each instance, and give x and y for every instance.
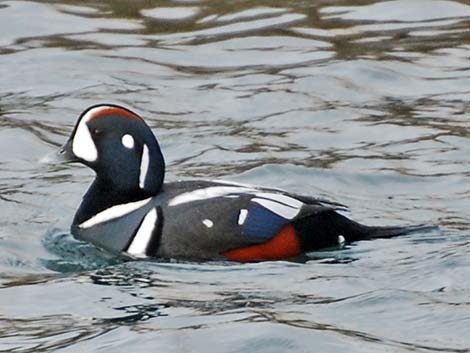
(120, 147)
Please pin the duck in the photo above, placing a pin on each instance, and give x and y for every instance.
(130, 210)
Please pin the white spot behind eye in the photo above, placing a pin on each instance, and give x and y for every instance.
(128, 141)
(208, 223)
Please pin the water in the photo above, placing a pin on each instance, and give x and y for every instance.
(362, 102)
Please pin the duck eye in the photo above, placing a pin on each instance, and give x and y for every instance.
(97, 132)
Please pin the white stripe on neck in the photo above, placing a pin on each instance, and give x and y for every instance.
(144, 166)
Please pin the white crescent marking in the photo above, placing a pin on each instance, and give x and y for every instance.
(144, 166)
(144, 235)
(113, 213)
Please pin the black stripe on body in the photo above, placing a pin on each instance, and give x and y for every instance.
(155, 239)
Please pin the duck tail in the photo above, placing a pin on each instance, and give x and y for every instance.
(329, 228)
(390, 232)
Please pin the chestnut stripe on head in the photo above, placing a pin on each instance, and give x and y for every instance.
(106, 110)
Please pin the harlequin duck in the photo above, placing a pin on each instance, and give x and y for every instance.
(129, 210)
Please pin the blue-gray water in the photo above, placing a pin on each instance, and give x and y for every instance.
(363, 102)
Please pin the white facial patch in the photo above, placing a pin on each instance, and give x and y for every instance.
(242, 216)
(208, 223)
(127, 141)
(207, 193)
(113, 213)
(144, 166)
(83, 145)
(144, 235)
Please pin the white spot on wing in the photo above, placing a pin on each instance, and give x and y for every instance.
(144, 235)
(207, 193)
(242, 216)
(144, 166)
(113, 213)
(127, 141)
(282, 210)
(208, 223)
(341, 240)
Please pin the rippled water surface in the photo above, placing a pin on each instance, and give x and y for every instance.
(363, 102)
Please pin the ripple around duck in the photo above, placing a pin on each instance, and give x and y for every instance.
(152, 303)
(365, 104)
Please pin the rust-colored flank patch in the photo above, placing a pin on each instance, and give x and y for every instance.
(283, 246)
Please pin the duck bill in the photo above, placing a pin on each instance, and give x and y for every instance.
(66, 155)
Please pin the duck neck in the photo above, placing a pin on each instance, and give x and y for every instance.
(101, 196)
